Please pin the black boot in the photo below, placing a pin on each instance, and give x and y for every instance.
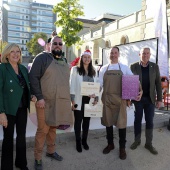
(78, 146)
(84, 143)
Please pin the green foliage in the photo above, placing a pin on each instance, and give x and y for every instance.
(2, 46)
(33, 46)
(79, 44)
(67, 12)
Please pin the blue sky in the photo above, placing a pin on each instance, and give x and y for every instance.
(94, 8)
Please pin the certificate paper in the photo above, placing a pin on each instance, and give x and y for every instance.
(89, 88)
(93, 111)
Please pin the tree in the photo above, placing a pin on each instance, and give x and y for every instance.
(2, 45)
(67, 12)
(35, 46)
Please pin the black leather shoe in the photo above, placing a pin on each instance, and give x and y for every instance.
(151, 149)
(25, 168)
(122, 153)
(78, 146)
(85, 145)
(108, 148)
(134, 145)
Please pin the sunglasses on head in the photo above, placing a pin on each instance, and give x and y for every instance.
(56, 43)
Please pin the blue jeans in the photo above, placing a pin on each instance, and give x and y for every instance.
(146, 105)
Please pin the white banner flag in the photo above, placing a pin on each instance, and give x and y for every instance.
(160, 23)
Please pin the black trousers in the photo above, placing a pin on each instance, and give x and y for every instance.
(20, 120)
(81, 120)
(122, 136)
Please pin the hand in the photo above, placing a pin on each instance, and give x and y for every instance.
(33, 98)
(92, 96)
(138, 98)
(94, 103)
(158, 104)
(40, 104)
(128, 103)
(73, 106)
(3, 120)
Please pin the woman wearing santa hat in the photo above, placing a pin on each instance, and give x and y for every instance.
(84, 72)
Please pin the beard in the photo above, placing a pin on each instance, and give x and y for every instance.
(57, 53)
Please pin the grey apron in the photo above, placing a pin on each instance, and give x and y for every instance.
(56, 93)
(114, 107)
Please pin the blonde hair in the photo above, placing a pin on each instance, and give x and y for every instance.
(6, 52)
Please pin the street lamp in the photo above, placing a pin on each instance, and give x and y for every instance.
(5, 6)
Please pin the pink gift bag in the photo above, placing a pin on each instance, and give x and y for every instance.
(130, 86)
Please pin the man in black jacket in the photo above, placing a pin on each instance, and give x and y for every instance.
(151, 84)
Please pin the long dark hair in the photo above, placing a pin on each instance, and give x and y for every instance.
(81, 70)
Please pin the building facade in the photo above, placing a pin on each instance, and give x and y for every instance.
(23, 19)
(134, 27)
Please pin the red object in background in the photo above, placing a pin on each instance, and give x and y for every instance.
(166, 100)
(74, 62)
(165, 87)
(164, 84)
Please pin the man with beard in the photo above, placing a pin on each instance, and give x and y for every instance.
(49, 78)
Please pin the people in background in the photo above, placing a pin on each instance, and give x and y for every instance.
(48, 45)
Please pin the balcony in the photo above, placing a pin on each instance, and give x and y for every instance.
(34, 18)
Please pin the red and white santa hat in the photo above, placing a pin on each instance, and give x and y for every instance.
(87, 52)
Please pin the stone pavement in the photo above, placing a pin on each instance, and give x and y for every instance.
(94, 159)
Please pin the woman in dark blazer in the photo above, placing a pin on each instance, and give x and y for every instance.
(14, 102)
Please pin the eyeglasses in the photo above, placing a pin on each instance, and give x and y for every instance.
(56, 43)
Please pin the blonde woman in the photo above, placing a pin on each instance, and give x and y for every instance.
(14, 102)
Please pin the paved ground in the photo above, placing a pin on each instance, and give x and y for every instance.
(139, 159)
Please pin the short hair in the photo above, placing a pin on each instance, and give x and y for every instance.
(49, 40)
(143, 48)
(116, 47)
(54, 33)
(6, 51)
(56, 36)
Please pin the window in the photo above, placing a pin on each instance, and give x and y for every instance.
(12, 27)
(14, 40)
(107, 44)
(124, 39)
(13, 15)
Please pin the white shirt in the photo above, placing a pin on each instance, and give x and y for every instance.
(124, 68)
(75, 86)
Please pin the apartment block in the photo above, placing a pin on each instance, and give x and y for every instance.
(23, 19)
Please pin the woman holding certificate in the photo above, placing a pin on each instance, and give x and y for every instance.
(84, 72)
